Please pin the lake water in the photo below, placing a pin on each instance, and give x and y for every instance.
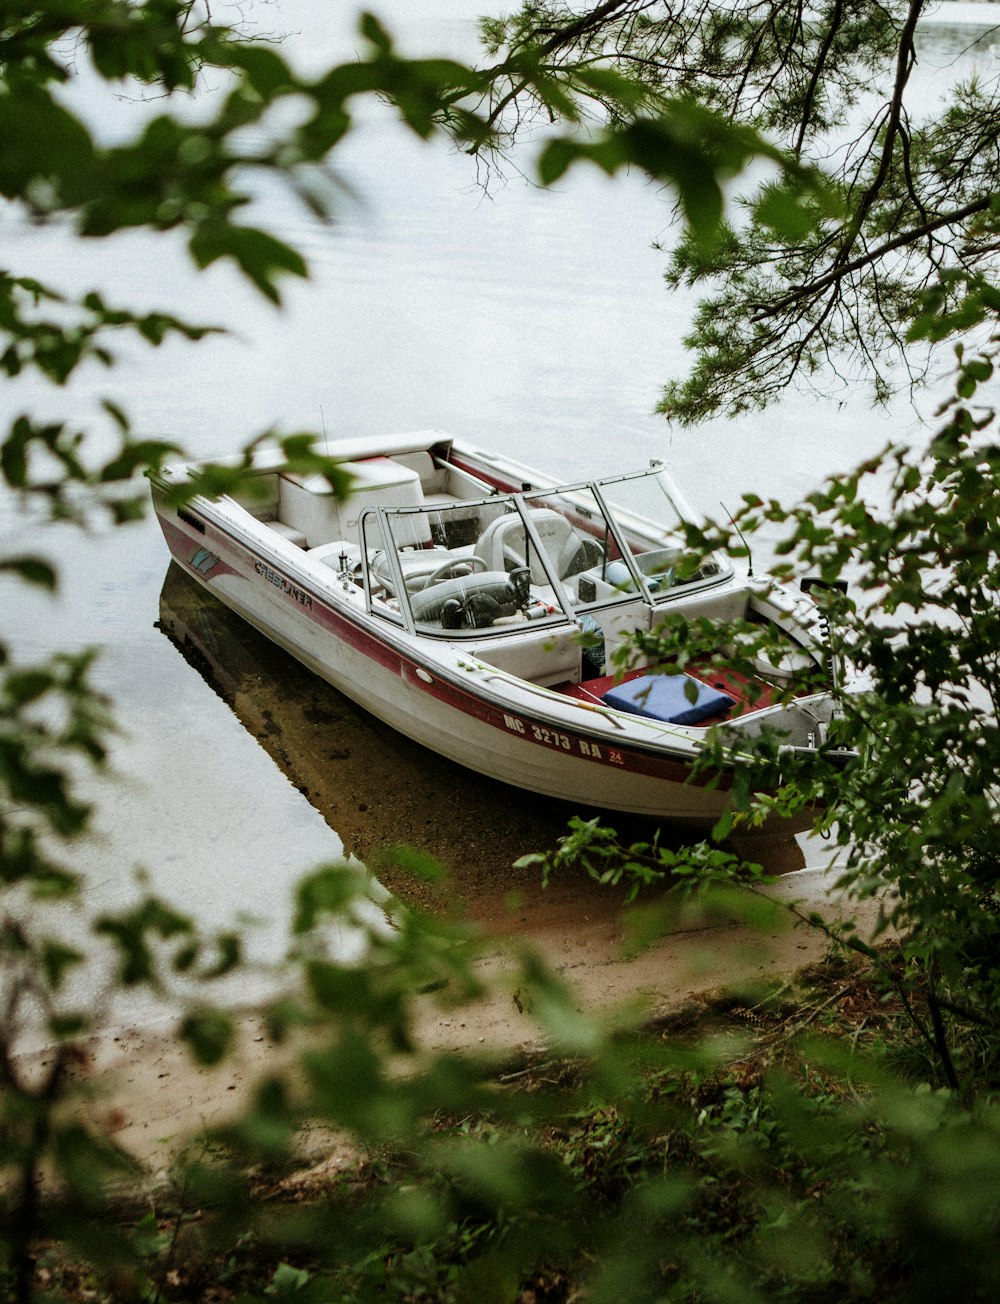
(533, 321)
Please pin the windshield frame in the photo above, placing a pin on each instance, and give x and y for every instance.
(564, 608)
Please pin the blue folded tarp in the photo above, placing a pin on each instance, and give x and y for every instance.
(667, 697)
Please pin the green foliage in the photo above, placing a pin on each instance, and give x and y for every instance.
(782, 1167)
(56, 349)
(644, 1167)
(592, 846)
(916, 812)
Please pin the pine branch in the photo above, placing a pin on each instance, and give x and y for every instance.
(839, 271)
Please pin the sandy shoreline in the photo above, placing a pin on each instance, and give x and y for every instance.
(153, 1101)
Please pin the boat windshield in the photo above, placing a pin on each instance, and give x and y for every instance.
(540, 556)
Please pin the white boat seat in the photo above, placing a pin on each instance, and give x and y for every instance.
(503, 545)
(261, 499)
(288, 532)
(432, 478)
(419, 565)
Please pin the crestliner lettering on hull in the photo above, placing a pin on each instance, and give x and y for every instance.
(280, 582)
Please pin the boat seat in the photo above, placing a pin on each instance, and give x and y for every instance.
(503, 545)
(418, 566)
(487, 589)
(433, 479)
(288, 532)
(261, 498)
(677, 699)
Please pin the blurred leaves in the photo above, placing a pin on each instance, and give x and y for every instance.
(210, 1034)
(642, 1166)
(32, 570)
(50, 716)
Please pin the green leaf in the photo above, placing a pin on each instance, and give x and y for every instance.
(147, 1237)
(783, 212)
(265, 70)
(229, 956)
(210, 1034)
(372, 30)
(43, 142)
(33, 570)
(259, 256)
(58, 959)
(326, 892)
(555, 160)
(287, 1280)
(138, 455)
(723, 826)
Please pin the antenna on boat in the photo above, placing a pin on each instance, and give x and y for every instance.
(322, 421)
(732, 522)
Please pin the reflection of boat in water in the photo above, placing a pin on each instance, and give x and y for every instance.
(275, 698)
(375, 788)
(448, 595)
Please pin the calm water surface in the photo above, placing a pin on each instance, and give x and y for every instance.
(533, 321)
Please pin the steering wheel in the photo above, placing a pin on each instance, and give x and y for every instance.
(446, 568)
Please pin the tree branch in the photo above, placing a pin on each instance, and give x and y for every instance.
(905, 59)
(818, 69)
(839, 271)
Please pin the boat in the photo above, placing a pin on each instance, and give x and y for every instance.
(476, 605)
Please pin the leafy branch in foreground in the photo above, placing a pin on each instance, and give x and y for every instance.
(915, 814)
(622, 1165)
(786, 1164)
(54, 725)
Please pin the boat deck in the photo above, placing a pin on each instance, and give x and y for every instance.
(749, 694)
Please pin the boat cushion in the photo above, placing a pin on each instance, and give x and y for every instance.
(666, 697)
